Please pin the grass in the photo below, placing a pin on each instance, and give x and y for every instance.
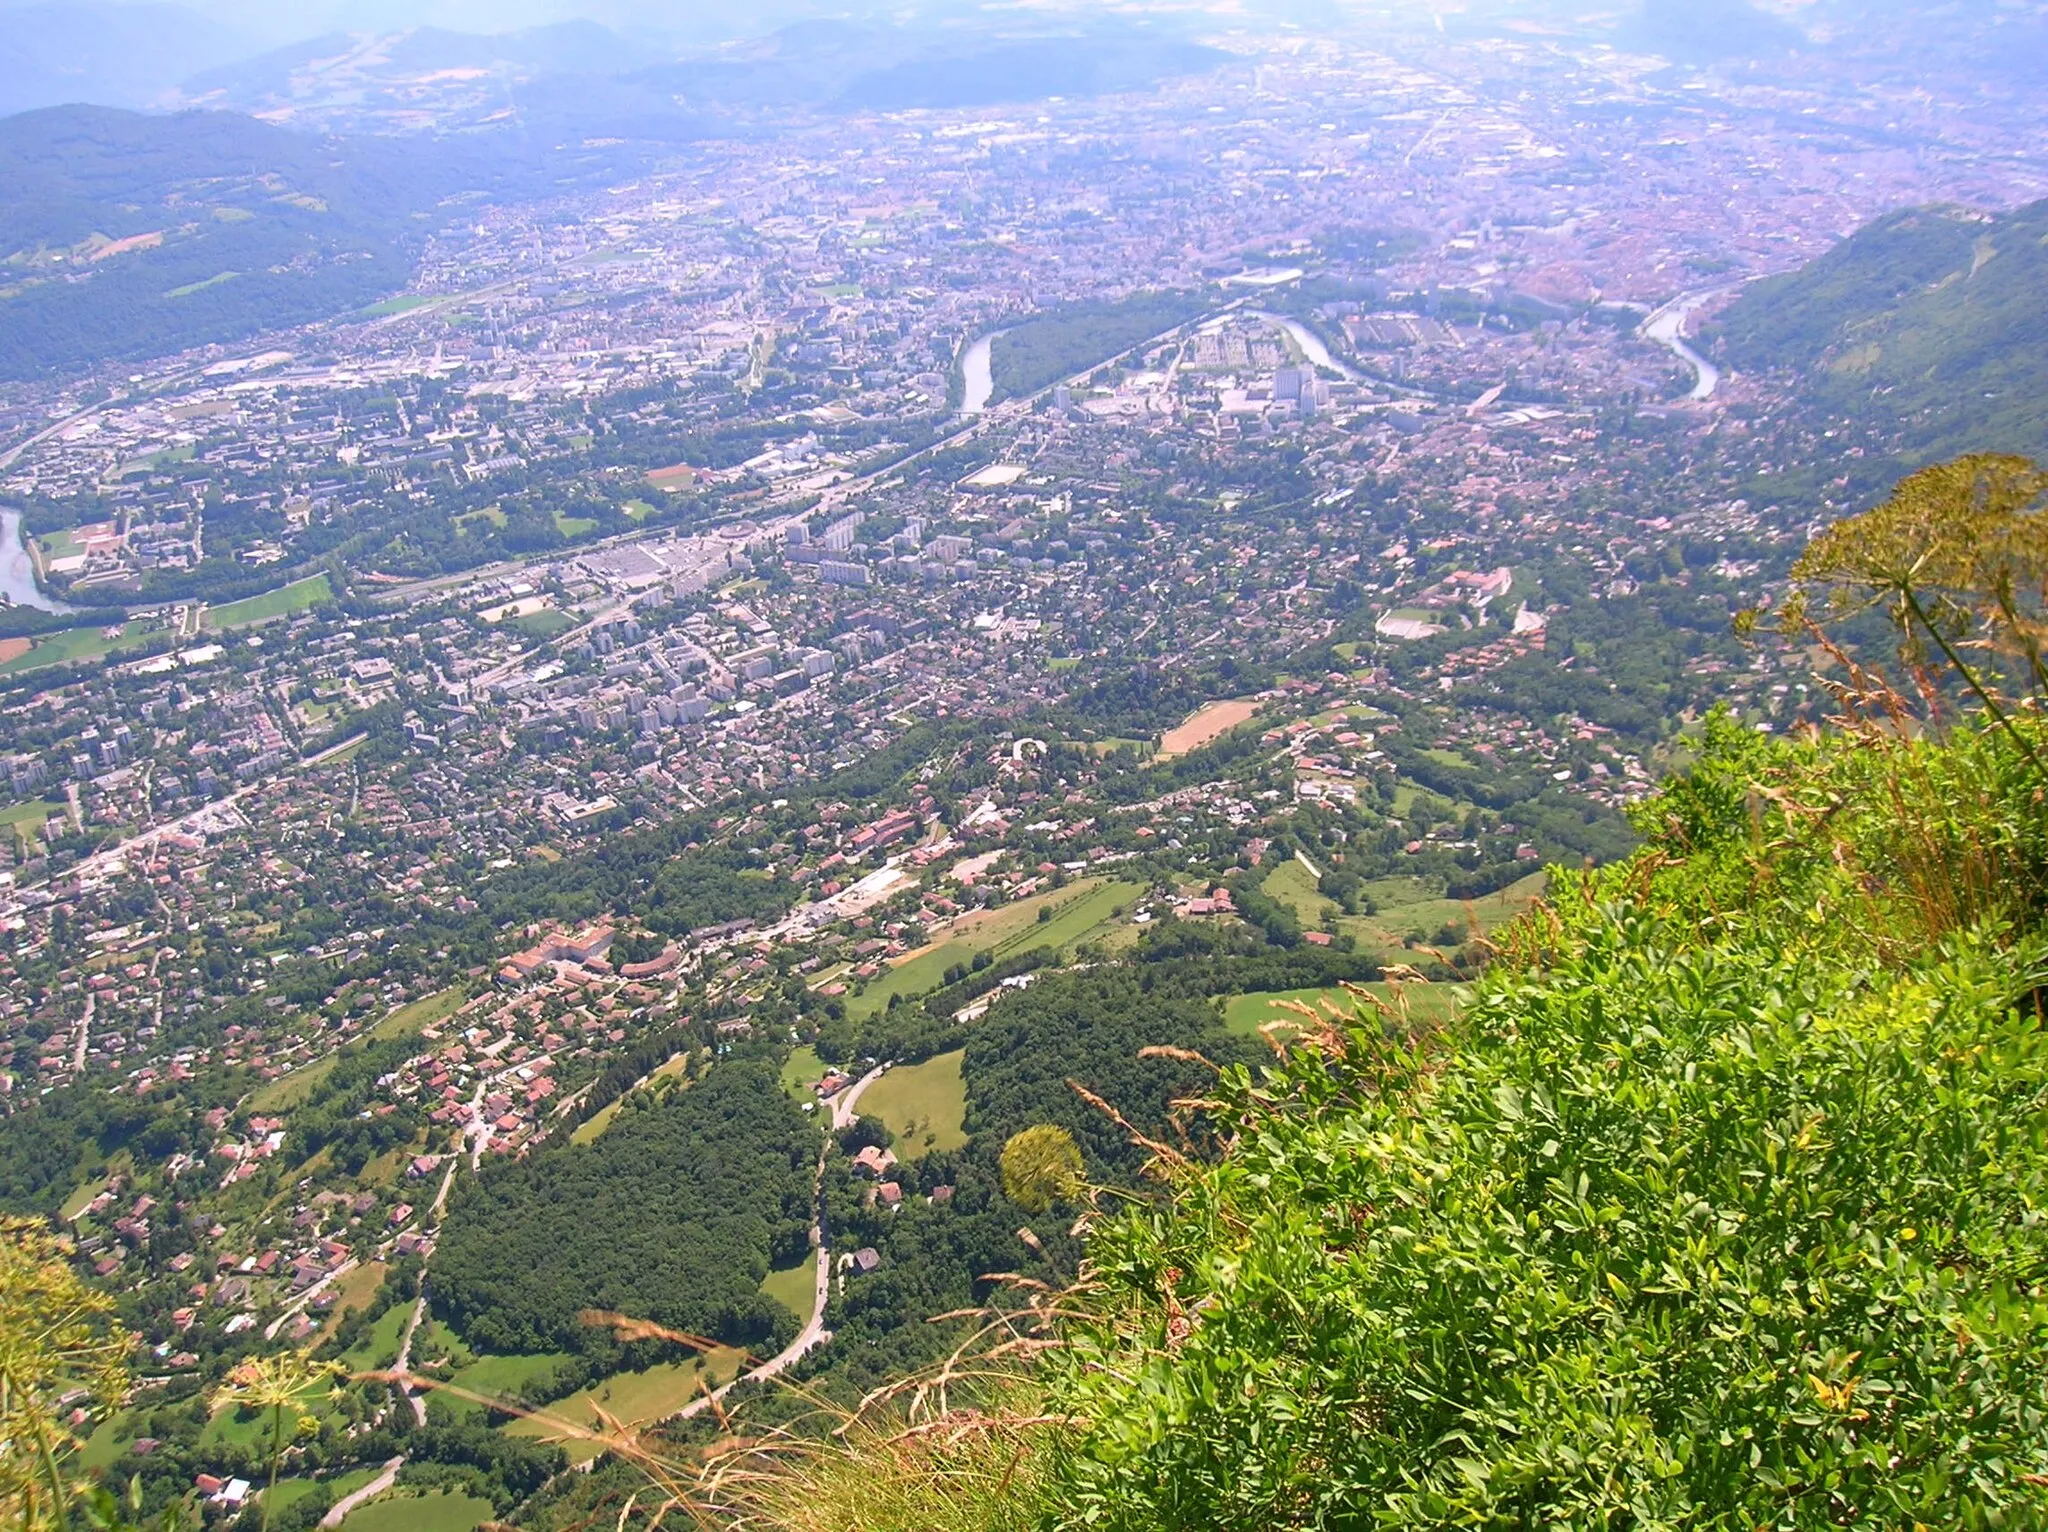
(26, 819)
(441, 1511)
(353, 1291)
(574, 526)
(199, 287)
(300, 596)
(292, 1089)
(652, 1395)
(922, 1104)
(403, 304)
(802, 1069)
(1425, 1003)
(1079, 911)
(1404, 905)
(502, 1377)
(544, 624)
(592, 1130)
(794, 1287)
(495, 515)
(71, 646)
(290, 1492)
(637, 510)
(379, 1344)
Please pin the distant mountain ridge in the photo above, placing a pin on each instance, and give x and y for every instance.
(1927, 325)
(107, 54)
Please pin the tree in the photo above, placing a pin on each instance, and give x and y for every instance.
(1041, 1166)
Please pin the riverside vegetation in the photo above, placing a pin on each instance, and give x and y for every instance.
(1716, 1206)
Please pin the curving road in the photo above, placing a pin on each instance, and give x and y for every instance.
(354, 1498)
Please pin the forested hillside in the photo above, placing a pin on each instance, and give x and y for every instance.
(673, 1216)
(1926, 325)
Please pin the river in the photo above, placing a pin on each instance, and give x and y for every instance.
(1667, 328)
(18, 571)
(976, 373)
(1311, 345)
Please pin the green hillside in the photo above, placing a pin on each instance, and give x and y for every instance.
(1926, 325)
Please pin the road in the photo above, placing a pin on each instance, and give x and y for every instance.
(375, 1487)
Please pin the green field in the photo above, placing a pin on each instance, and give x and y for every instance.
(73, 645)
(637, 510)
(802, 1069)
(57, 544)
(26, 819)
(289, 1090)
(378, 1347)
(573, 526)
(353, 1291)
(1080, 910)
(588, 1132)
(544, 624)
(290, 1492)
(402, 304)
(630, 1397)
(438, 1512)
(495, 515)
(300, 596)
(794, 1287)
(922, 1104)
(199, 287)
(1404, 905)
(1425, 1004)
(499, 1377)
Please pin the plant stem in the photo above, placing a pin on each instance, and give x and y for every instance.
(1970, 677)
(276, 1452)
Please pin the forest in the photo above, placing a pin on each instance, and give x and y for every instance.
(674, 1216)
(1038, 352)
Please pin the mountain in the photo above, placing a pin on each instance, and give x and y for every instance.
(127, 235)
(108, 54)
(1926, 325)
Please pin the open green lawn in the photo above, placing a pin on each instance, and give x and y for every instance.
(591, 1130)
(495, 515)
(289, 1090)
(801, 1070)
(794, 1287)
(1079, 911)
(1404, 906)
(923, 1104)
(379, 1344)
(628, 1397)
(499, 1377)
(1426, 1004)
(110, 1440)
(573, 526)
(544, 624)
(402, 304)
(290, 1492)
(57, 544)
(299, 596)
(73, 645)
(438, 1512)
(26, 819)
(353, 1291)
(637, 510)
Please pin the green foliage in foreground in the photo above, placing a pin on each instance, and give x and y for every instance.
(1722, 1210)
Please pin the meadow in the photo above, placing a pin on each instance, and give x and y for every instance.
(299, 596)
(924, 1105)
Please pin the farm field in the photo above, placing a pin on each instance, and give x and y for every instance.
(628, 1397)
(1204, 725)
(499, 1377)
(441, 1511)
(289, 1090)
(290, 1492)
(794, 1287)
(300, 596)
(922, 1104)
